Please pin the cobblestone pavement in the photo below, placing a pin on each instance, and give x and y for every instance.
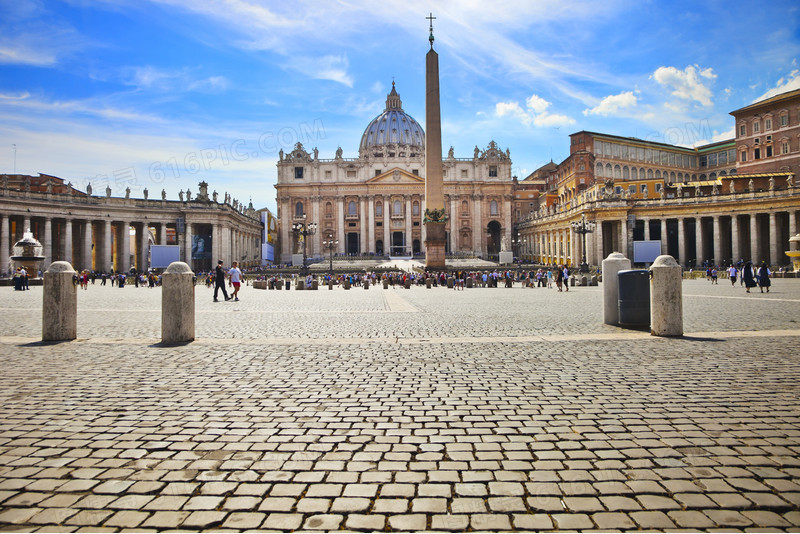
(487, 409)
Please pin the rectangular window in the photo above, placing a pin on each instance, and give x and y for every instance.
(712, 160)
(723, 158)
(756, 127)
(643, 188)
(328, 174)
(672, 159)
(757, 153)
(769, 151)
(703, 161)
(784, 120)
(768, 124)
(732, 155)
(743, 156)
(658, 188)
(742, 130)
(351, 174)
(631, 189)
(785, 147)
(493, 171)
(415, 172)
(298, 173)
(377, 172)
(463, 173)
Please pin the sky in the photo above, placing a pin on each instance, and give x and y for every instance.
(163, 94)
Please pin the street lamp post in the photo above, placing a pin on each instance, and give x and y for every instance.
(329, 244)
(305, 230)
(583, 227)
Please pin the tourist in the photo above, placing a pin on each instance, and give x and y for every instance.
(748, 276)
(219, 282)
(566, 278)
(236, 280)
(732, 272)
(559, 278)
(714, 274)
(763, 277)
(24, 277)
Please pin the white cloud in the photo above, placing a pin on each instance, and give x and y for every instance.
(789, 83)
(332, 68)
(688, 84)
(612, 104)
(212, 84)
(535, 113)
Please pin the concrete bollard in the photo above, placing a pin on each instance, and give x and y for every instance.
(450, 282)
(59, 303)
(300, 285)
(666, 297)
(428, 283)
(177, 304)
(469, 282)
(385, 284)
(614, 263)
(330, 286)
(366, 284)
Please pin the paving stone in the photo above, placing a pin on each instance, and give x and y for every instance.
(244, 520)
(583, 504)
(277, 504)
(572, 521)
(164, 520)
(127, 519)
(204, 519)
(408, 522)
(657, 502)
(489, 522)
(692, 519)
(765, 518)
(288, 522)
(532, 522)
(606, 521)
(469, 505)
(429, 505)
(457, 523)
(652, 520)
(365, 522)
(508, 489)
(728, 518)
(390, 506)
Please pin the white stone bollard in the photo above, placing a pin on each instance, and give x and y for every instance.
(614, 263)
(666, 297)
(177, 304)
(60, 303)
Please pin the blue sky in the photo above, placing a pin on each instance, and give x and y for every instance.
(165, 93)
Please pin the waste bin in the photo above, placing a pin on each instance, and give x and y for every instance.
(288, 284)
(634, 297)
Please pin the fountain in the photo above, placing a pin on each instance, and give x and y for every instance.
(28, 254)
(794, 254)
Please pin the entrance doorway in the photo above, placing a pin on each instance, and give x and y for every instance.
(398, 244)
(353, 244)
(493, 244)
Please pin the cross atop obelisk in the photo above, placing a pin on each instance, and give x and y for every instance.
(435, 216)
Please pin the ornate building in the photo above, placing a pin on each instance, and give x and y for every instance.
(102, 232)
(374, 204)
(716, 203)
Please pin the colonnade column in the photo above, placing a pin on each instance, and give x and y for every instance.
(623, 242)
(187, 245)
(47, 243)
(646, 229)
(792, 223)
(591, 255)
(67, 241)
(5, 245)
(162, 235)
(681, 242)
(698, 230)
(717, 241)
(106, 248)
(26, 225)
(125, 250)
(141, 248)
(363, 234)
(371, 223)
(87, 245)
(599, 240)
(735, 252)
(664, 242)
(754, 239)
(774, 238)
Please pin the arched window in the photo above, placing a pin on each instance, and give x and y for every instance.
(493, 208)
(649, 174)
(379, 209)
(415, 208)
(617, 171)
(599, 170)
(712, 176)
(658, 174)
(634, 173)
(351, 208)
(626, 174)
(609, 171)
(298, 209)
(328, 209)
(397, 208)
(672, 177)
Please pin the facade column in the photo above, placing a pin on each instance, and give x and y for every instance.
(87, 245)
(699, 243)
(792, 223)
(125, 250)
(754, 256)
(5, 245)
(736, 254)
(214, 244)
(363, 230)
(316, 241)
(162, 235)
(387, 222)
(681, 242)
(646, 229)
(453, 224)
(598, 237)
(67, 256)
(774, 239)
(371, 224)
(26, 225)
(717, 237)
(507, 226)
(408, 251)
(477, 229)
(340, 207)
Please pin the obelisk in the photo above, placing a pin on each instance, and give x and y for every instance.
(435, 216)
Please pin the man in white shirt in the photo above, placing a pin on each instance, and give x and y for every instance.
(236, 280)
(732, 271)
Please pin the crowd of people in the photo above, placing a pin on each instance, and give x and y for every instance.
(747, 274)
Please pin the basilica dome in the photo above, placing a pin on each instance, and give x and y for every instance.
(393, 132)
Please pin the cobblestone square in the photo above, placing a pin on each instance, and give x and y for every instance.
(408, 410)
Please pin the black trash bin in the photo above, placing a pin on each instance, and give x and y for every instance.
(634, 297)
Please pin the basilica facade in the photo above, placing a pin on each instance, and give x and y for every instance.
(374, 205)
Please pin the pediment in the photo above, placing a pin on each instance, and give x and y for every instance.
(396, 176)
